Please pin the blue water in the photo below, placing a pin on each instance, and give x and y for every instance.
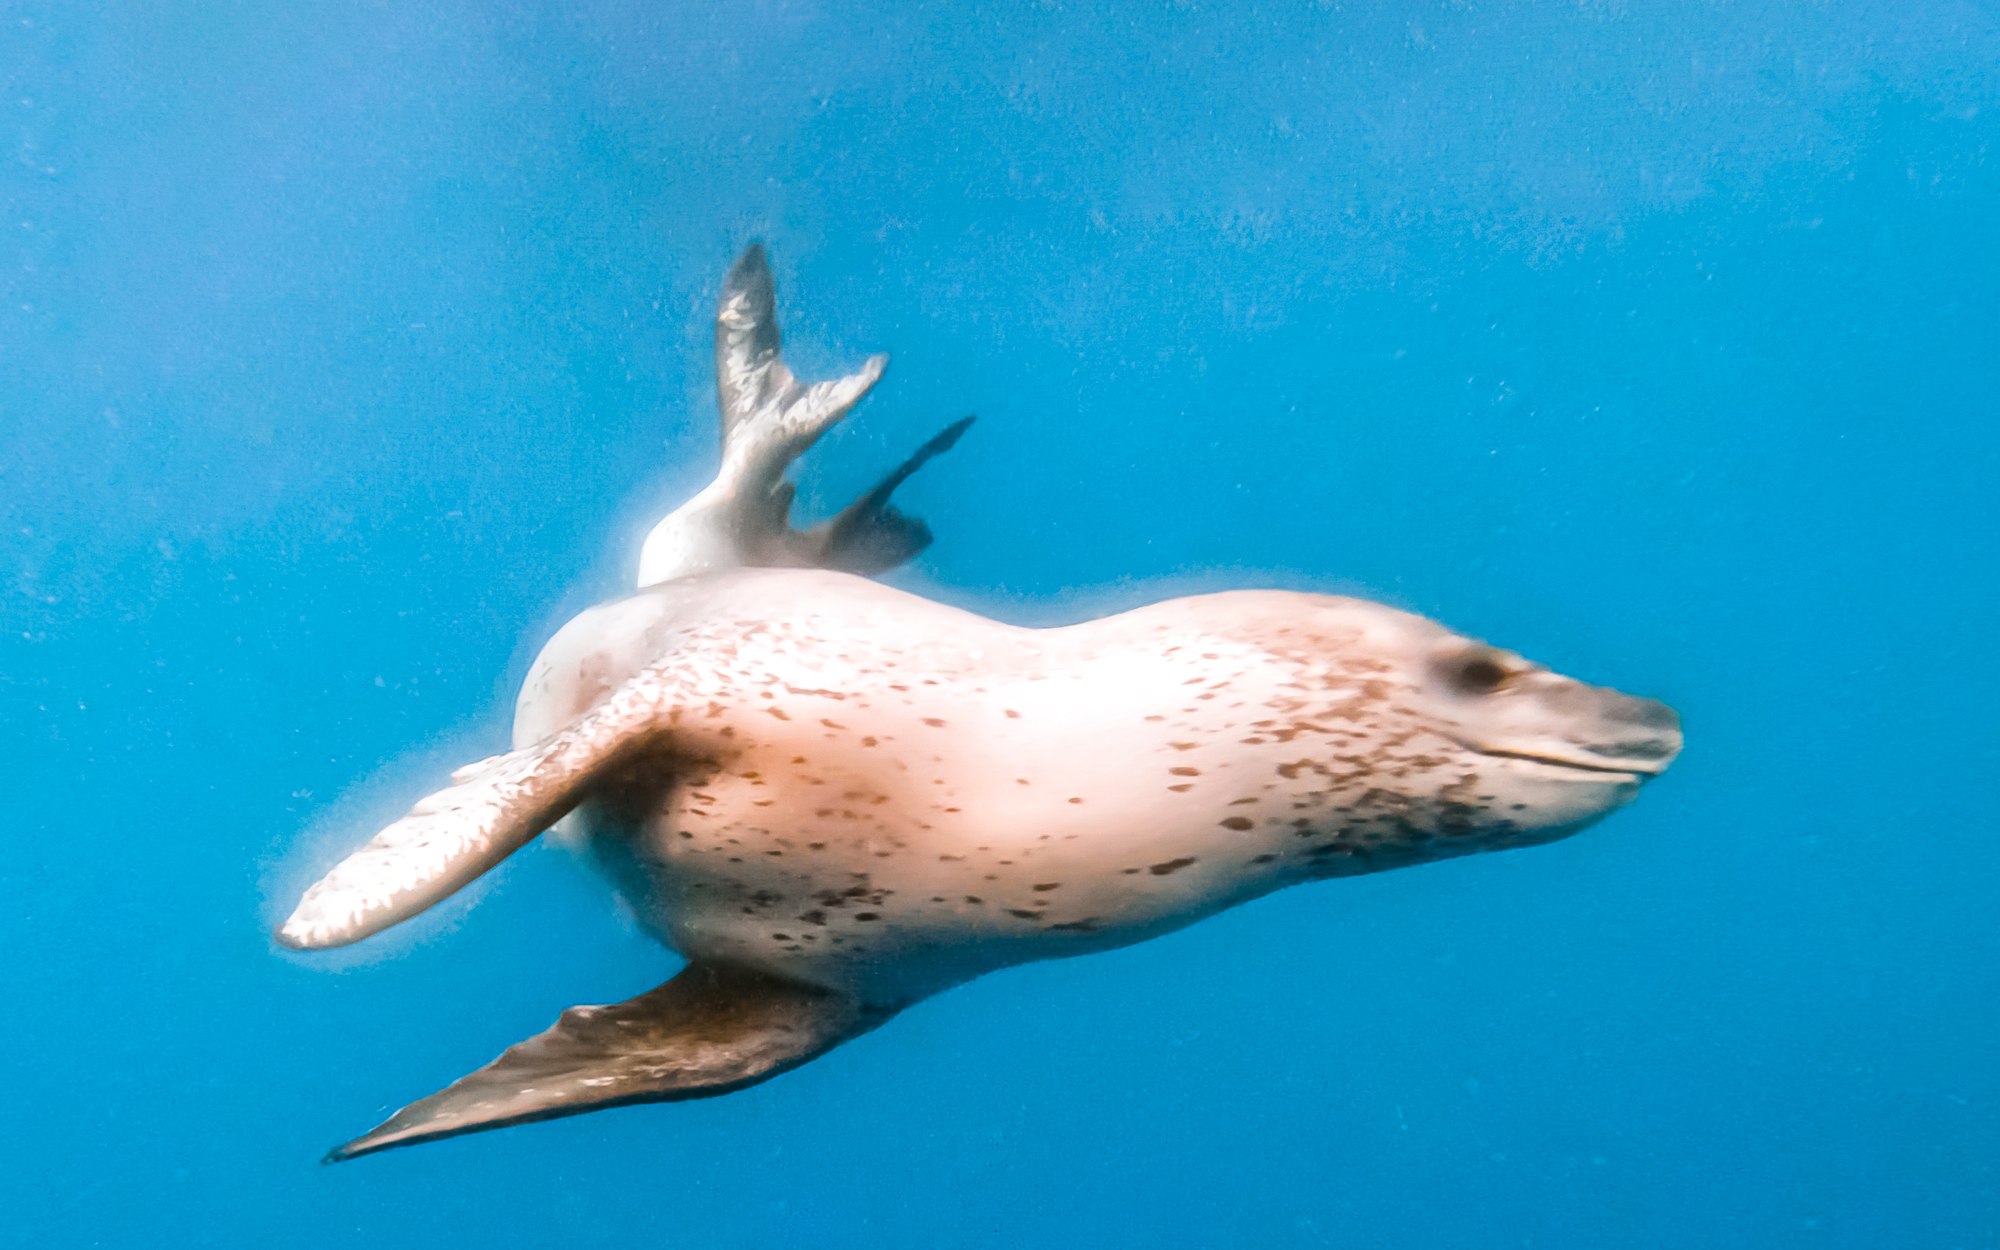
(347, 349)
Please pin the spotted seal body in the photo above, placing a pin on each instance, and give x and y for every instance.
(836, 799)
(891, 796)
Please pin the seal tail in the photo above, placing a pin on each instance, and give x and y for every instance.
(710, 1030)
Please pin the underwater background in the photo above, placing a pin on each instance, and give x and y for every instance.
(347, 349)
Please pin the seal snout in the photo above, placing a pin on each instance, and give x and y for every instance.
(1643, 732)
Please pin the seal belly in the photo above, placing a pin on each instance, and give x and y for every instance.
(902, 860)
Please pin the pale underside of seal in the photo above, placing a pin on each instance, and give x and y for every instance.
(836, 799)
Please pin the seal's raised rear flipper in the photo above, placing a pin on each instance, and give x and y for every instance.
(769, 419)
(708, 1031)
(869, 536)
(767, 414)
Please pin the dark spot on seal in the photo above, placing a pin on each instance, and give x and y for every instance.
(814, 917)
(933, 722)
(1088, 925)
(866, 915)
(1172, 865)
(1053, 885)
(1263, 859)
(868, 742)
(1238, 823)
(975, 899)
(1184, 746)
(829, 724)
(1182, 788)
(1025, 915)
(1076, 800)
(1012, 714)
(1185, 772)
(781, 937)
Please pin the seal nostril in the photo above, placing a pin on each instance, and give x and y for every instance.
(1646, 713)
(1656, 715)
(1637, 729)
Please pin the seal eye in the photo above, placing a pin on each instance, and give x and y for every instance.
(1479, 675)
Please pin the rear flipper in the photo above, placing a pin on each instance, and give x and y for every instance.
(869, 536)
(769, 419)
(708, 1031)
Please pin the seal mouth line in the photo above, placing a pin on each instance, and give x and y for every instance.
(1628, 770)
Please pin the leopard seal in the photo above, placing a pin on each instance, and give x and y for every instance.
(836, 799)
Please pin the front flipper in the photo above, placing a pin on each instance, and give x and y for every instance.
(496, 807)
(449, 838)
(708, 1031)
